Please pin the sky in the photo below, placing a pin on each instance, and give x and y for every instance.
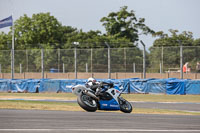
(160, 15)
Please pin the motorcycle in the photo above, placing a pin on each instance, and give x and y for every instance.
(110, 99)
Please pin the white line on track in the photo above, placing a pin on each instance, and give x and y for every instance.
(102, 130)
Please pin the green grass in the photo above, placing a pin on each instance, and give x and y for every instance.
(45, 105)
(130, 97)
(62, 96)
(162, 98)
(40, 105)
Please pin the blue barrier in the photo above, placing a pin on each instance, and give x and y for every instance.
(192, 87)
(4, 85)
(133, 85)
(139, 85)
(157, 86)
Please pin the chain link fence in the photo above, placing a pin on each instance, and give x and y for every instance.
(130, 60)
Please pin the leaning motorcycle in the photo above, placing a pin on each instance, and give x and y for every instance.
(108, 100)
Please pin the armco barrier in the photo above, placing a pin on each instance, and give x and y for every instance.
(133, 85)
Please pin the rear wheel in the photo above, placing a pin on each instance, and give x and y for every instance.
(87, 103)
(125, 106)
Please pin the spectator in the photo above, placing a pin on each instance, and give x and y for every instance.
(186, 68)
(198, 67)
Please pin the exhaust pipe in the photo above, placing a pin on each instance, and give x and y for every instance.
(91, 94)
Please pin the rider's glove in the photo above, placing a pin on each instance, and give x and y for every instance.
(97, 91)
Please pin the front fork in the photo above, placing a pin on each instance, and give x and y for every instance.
(121, 100)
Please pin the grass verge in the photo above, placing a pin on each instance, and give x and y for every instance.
(44, 105)
(129, 97)
(38, 105)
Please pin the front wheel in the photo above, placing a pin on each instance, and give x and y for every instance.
(87, 103)
(125, 106)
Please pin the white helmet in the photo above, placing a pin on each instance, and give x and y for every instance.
(92, 80)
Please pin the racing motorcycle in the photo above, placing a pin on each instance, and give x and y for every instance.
(110, 99)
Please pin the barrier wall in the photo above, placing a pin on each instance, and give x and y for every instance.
(84, 75)
(133, 85)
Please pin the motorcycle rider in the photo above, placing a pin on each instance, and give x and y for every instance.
(97, 86)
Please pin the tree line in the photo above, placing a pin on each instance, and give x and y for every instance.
(44, 31)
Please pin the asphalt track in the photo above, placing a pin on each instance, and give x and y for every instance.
(40, 121)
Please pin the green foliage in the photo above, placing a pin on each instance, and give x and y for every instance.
(123, 28)
(170, 46)
(125, 24)
(34, 32)
(185, 38)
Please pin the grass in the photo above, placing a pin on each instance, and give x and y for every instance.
(45, 105)
(163, 98)
(129, 97)
(38, 105)
(61, 96)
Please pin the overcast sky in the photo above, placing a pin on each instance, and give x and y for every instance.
(182, 15)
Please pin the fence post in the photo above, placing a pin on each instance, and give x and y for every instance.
(125, 58)
(58, 60)
(181, 59)
(86, 67)
(162, 60)
(109, 72)
(91, 64)
(160, 68)
(63, 68)
(144, 59)
(20, 68)
(75, 59)
(133, 67)
(42, 62)
(0, 68)
(26, 60)
(12, 63)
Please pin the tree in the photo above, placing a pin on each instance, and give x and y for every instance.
(186, 38)
(169, 47)
(45, 31)
(5, 41)
(40, 31)
(125, 24)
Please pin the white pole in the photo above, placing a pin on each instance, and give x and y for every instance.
(160, 67)
(12, 53)
(42, 62)
(63, 68)
(86, 67)
(109, 71)
(144, 59)
(91, 63)
(133, 67)
(20, 68)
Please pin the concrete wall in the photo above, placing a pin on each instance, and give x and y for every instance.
(98, 75)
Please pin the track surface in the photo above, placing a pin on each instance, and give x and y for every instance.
(31, 121)
(190, 107)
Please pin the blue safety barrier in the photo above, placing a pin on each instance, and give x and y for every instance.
(139, 85)
(157, 86)
(192, 87)
(132, 85)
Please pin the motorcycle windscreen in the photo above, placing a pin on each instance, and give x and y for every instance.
(109, 105)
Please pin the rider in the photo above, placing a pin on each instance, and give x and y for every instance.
(96, 86)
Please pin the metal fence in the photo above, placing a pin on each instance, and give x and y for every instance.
(111, 60)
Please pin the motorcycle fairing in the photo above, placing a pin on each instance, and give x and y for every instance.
(109, 105)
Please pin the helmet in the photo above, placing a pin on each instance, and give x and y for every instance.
(92, 80)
